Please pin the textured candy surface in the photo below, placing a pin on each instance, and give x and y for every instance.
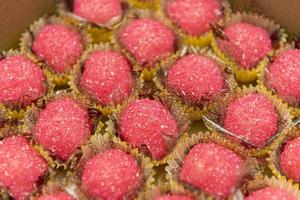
(270, 193)
(247, 44)
(56, 196)
(59, 45)
(107, 77)
(290, 160)
(194, 16)
(21, 81)
(149, 124)
(147, 40)
(195, 78)
(213, 169)
(97, 11)
(174, 197)
(21, 167)
(111, 175)
(284, 75)
(253, 117)
(62, 126)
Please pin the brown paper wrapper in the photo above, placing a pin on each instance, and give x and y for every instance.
(277, 34)
(214, 119)
(27, 124)
(261, 182)
(76, 73)
(99, 143)
(56, 183)
(99, 32)
(183, 148)
(202, 40)
(194, 110)
(11, 131)
(26, 42)
(111, 125)
(274, 155)
(10, 113)
(263, 79)
(147, 71)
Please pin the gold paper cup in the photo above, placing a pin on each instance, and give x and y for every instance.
(26, 42)
(187, 39)
(195, 110)
(214, 120)
(276, 33)
(182, 149)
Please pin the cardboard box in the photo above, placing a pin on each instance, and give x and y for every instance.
(16, 15)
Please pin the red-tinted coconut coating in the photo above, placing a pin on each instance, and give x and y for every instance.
(111, 175)
(98, 11)
(148, 124)
(284, 75)
(196, 78)
(271, 194)
(194, 16)
(62, 126)
(174, 197)
(147, 40)
(56, 196)
(107, 77)
(213, 169)
(21, 81)
(246, 44)
(253, 117)
(59, 45)
(21, 167)
(290, 160)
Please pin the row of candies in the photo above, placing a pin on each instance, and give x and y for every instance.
(152, 77)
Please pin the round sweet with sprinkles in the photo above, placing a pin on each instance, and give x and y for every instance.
(107, 77)
(212, 169)
(283, 76)
(252, 117)
(246, 44)
(196, 78)
(62, 127)
(174, 197)
(147, 40)
(21, 81)
(59, 46)
(149, 125)
(56, 196)
(101, 12)
(21, 167)
(270, 193)
(289, 159)
(111, 175)
(194, 16)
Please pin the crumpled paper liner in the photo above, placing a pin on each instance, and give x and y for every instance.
(27, 124)
(26, 42)
(202, 40)
(250, 75)
(263, 82)
(213, 119)
(260, 181)
(101, 142)
(111, 125)
(148, 72)
(75, 76)
(195, 111)
(183, 148)
(274, 155)
(16, 112)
